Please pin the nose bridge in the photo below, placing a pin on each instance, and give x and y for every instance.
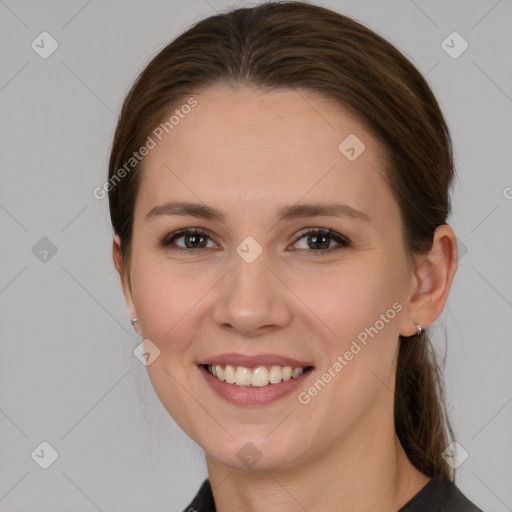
(250, 296)
(250, 279)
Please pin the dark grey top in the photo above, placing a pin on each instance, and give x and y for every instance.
(437, 495)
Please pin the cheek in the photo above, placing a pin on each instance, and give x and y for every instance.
(163, 297)
(166, 302)
(347, 299)
(359, 308)
(360, 311)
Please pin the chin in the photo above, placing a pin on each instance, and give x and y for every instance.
(256, 454)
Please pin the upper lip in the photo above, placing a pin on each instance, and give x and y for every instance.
(254, 361)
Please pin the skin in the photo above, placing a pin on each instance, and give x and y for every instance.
(248, 153)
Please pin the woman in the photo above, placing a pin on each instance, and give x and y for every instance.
(279, 189)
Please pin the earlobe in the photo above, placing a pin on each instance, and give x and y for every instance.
(433, 277)
(135, 321)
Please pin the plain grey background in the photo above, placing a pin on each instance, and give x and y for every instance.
(68, 375)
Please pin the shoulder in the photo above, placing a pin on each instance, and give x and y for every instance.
(438, 494)
(203, 500)
(441, 495)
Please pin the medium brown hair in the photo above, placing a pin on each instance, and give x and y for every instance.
(296, 45)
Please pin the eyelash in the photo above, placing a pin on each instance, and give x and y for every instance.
(343, 241)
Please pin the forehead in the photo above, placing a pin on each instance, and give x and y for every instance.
(250, 147)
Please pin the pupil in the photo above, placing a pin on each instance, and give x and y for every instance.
(316, 244)
(195, 238)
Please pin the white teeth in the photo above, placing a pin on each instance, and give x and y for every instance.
(229, 374)
(296, 372)
(243, 376)
(258, 377)
(275, 375)
(287, 373)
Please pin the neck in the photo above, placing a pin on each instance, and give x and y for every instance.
(352, 476)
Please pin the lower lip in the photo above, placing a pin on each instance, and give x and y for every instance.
(252, 395)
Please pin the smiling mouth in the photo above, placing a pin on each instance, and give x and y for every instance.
(255, 377)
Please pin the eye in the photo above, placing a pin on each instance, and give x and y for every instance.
(318, 239)
(194, 238)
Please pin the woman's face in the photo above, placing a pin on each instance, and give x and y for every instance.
(254, 288)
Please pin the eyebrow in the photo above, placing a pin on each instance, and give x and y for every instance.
(203, 211)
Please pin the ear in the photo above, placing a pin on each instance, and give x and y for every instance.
(431, 282)
(125, 279)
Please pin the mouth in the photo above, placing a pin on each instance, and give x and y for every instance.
(254, 380)
(256, 384)
(260, 376)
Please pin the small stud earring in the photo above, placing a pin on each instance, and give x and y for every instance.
(134, 320)
(420, 330)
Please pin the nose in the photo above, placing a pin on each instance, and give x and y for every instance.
(252, 299)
